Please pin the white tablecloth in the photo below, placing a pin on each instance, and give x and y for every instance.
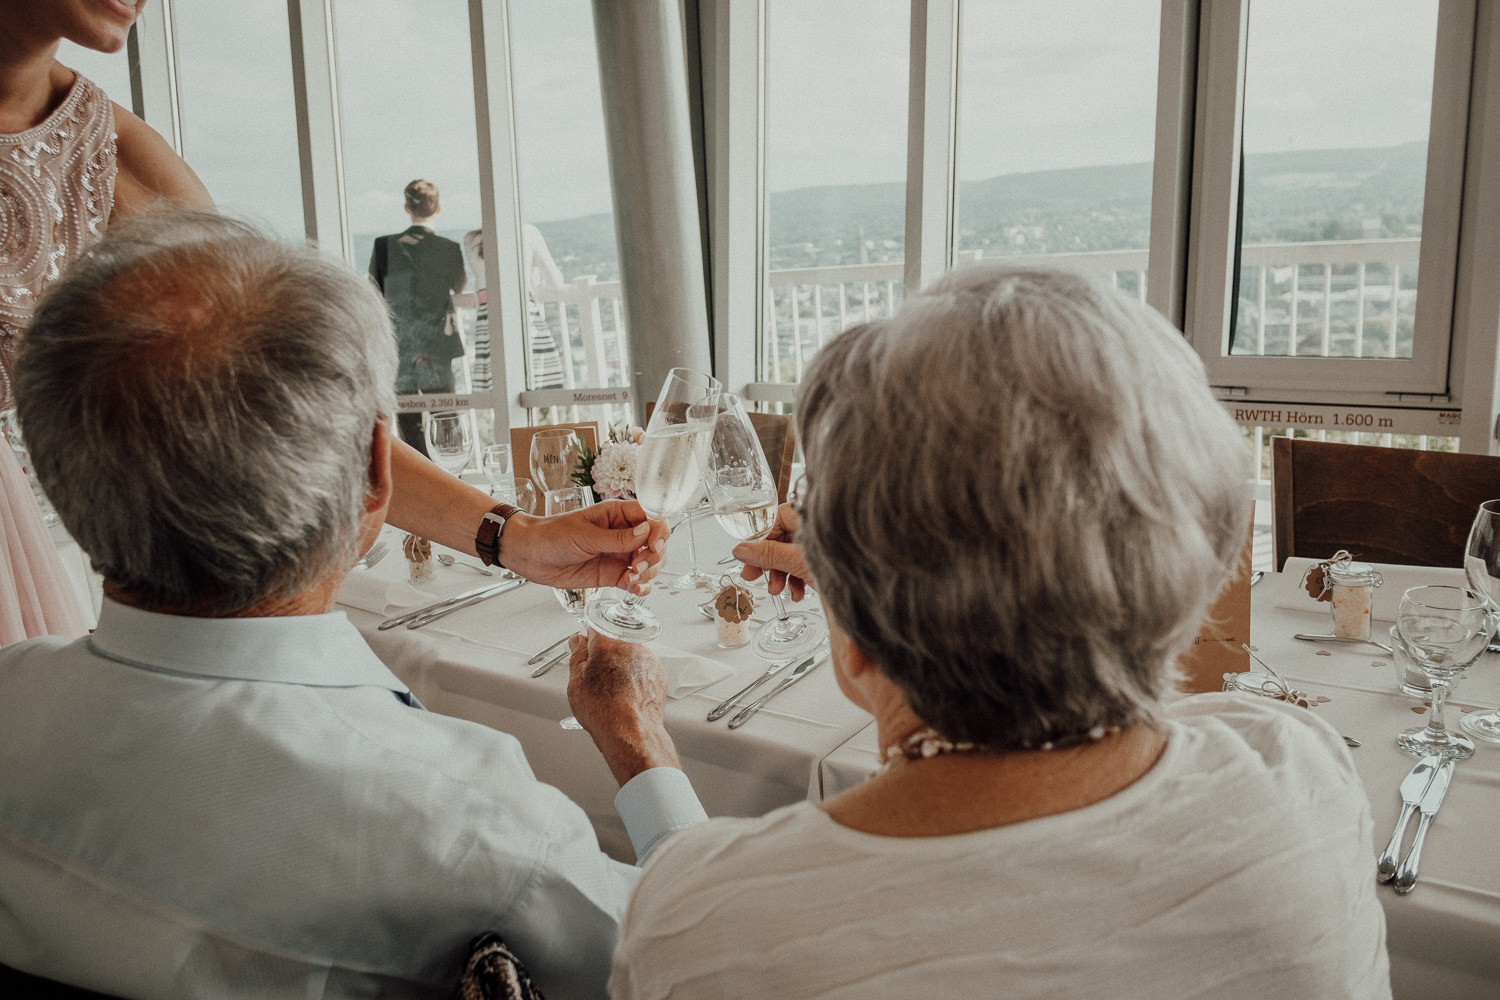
(1445, 936)
(472, 665)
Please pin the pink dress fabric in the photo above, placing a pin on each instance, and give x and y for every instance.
(57, 184)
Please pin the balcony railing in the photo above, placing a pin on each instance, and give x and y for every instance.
(1352, 298)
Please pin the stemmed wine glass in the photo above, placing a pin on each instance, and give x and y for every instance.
(742, 493)
(668, 474)
(1443, 629)
(1482, 568)
(495, 463)
(573, 599)
(449, 440)
(553, 454)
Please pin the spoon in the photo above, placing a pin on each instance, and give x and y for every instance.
(1318, 637)
(448, 560)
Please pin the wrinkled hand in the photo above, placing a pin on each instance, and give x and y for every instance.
(618, 693)
(610, 544)
(779, 556)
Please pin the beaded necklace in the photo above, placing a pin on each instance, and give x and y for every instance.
(928, 742)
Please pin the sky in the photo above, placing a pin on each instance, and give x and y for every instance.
(1043, 84)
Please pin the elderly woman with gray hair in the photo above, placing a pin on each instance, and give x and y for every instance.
(1020, 499)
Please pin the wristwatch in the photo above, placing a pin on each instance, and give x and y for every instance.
(487, 541)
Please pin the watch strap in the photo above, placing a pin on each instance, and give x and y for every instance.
(487, 540)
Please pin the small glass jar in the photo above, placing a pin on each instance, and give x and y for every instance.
(732, 610)
(1352, 586)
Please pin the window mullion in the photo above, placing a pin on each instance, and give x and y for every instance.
(931, 140)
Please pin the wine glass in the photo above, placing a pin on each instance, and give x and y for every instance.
(573, 599)
(694, 577)
(495, 463)
(1443, 629)
(1482, 568)
(742, 494)
(668, 473)
(553, 454)
(449, 440)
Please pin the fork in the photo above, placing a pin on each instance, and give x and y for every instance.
(377, 552)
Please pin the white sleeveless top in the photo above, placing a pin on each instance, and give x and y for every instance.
(57, 187)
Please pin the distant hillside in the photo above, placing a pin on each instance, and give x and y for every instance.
(1322, 194)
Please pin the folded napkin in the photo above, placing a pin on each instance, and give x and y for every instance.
(1395, 581)
(380, 595)
(687, 672)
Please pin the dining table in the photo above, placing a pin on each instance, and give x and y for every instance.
(810, 742)
(473, 664)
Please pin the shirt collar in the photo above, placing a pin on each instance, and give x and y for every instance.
(311, 650)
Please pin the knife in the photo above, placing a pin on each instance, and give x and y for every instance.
(1413, 787)
(1406, 875)
(800, 671)
(495, 591)
(723, 707)
(434, 606)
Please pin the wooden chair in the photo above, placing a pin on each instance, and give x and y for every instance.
(779, 444)
(1389, 505)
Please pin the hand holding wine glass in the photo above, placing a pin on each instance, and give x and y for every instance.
(1443, 630)
(742, 493)
(668, 473)
(1482, 569)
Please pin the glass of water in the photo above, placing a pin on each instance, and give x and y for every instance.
(570, 498)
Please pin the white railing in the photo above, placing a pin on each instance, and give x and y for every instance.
(1353, 298)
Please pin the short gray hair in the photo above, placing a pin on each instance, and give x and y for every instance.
(1021, 498)
(199, 401)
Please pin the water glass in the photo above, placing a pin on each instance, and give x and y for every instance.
(495, 463)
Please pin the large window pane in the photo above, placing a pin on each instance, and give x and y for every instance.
(1057, 108)
(1335, 153)
(239, 122)
(571, 258)
(836, 106)
(407, 113)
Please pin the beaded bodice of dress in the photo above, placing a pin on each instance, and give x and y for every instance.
(57, 186)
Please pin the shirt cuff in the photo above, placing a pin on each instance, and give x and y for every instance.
(656, 804)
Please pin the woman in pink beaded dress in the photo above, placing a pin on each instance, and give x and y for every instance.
(70, 161)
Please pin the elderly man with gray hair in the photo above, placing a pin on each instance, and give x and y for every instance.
(1020, 498)
(222, 791)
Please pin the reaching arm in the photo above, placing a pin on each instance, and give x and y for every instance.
(607, 545)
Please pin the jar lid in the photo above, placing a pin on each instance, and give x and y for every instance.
(1353, 574)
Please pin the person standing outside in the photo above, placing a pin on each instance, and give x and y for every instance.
(418, 271)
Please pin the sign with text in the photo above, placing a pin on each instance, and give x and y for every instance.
(1322, 417)
(409, 404)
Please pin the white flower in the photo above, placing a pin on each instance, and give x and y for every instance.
(614, 471)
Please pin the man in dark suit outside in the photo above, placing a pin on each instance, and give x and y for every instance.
(418, 272)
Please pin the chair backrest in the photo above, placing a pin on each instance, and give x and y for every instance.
(1390, 505)
(779, 444)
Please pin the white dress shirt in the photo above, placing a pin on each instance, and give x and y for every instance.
(249, 808)
(1237, 868)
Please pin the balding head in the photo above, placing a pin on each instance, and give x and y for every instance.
(200, 402)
